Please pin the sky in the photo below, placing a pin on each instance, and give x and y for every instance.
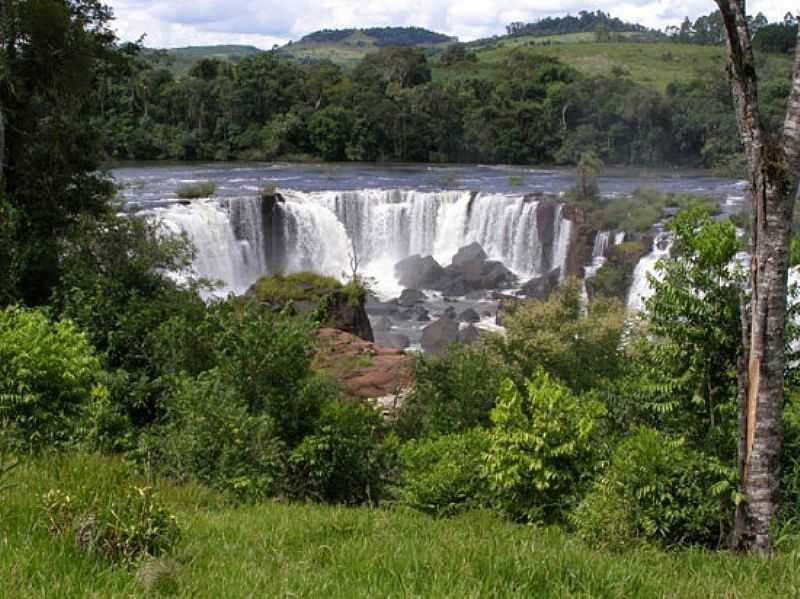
(264, 23)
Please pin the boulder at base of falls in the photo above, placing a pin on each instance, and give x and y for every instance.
(542, 287)
(472, 253)
(397, 340)
(469, 315)
(470, 271)
(468, 334)
(417, 272)
(363, 369)
(421, 314)
(411, 297)
(381, 324)
(439, 335)
(375, 307)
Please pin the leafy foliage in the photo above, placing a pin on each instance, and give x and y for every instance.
(342, 460)
(122, 527)
(541, 447)
(210, 436)
(657, 489)
(689, 373)
(443, 475)
(453, 392)
(48, 374)
(579, 350)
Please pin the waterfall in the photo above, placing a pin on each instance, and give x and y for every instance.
(228, 238)
(640, 289)
(239, 239)
(561, 241)
(619, 237)
(599, 250)
(388, 225)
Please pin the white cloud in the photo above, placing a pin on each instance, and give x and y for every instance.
(264, 23)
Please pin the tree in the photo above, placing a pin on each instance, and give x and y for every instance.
(51, 52)
(774, 168)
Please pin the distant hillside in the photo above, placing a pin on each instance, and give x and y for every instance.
(347, 47)
(180, 60)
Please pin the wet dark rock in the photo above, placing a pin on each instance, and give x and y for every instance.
(469, 315)
(469, 254)
(450, 312)
(406, 314)
(542, 287)
(411, 297)
(418, 272)
(379, 308)
(468, 335)
(421, 314)
(476, 295)
(397, 340)
(438, 335)
(381, 324)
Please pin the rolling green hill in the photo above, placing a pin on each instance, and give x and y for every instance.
(180, 60)
(347, 47)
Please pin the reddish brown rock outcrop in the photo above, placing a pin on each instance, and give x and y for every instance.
(365, 370)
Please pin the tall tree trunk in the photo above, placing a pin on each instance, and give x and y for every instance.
(773, 171)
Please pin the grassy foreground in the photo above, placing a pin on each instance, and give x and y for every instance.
(275, 550)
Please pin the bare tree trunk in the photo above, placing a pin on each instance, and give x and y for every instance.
(773, 166)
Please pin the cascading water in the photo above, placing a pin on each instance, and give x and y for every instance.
(228, 238)
(640, 289)
(599, 250)
(386, 226)
(321, 231)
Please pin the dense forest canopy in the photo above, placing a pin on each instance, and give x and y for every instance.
(399, 104)
(585, 21)
(402, 37)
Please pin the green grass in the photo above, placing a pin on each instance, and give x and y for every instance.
(181, 60)
(193, 191)
(653, 64)
(297, 286)
(276, 550)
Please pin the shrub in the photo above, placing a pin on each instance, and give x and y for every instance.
(121, 527)
(542, 444)
(266, 358)
(580, 350)
(211, 436)
(444, 475)
(453, 393)
(658, 490)
(48, 373)
(342, 460)
(193, 191)
(280, 288)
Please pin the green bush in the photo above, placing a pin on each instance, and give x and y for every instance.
(444, 475)
(48, 374)
(453, 393)
(266, 358)
(342, 460)
(656, 489)
(581, 350)
(279, 288)
(544, 442)
(193, 191)
(122, 527)
(212, 437)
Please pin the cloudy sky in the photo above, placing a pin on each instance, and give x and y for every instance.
(263, 23)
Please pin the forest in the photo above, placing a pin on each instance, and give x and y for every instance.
(156, 442)
(399, 105)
